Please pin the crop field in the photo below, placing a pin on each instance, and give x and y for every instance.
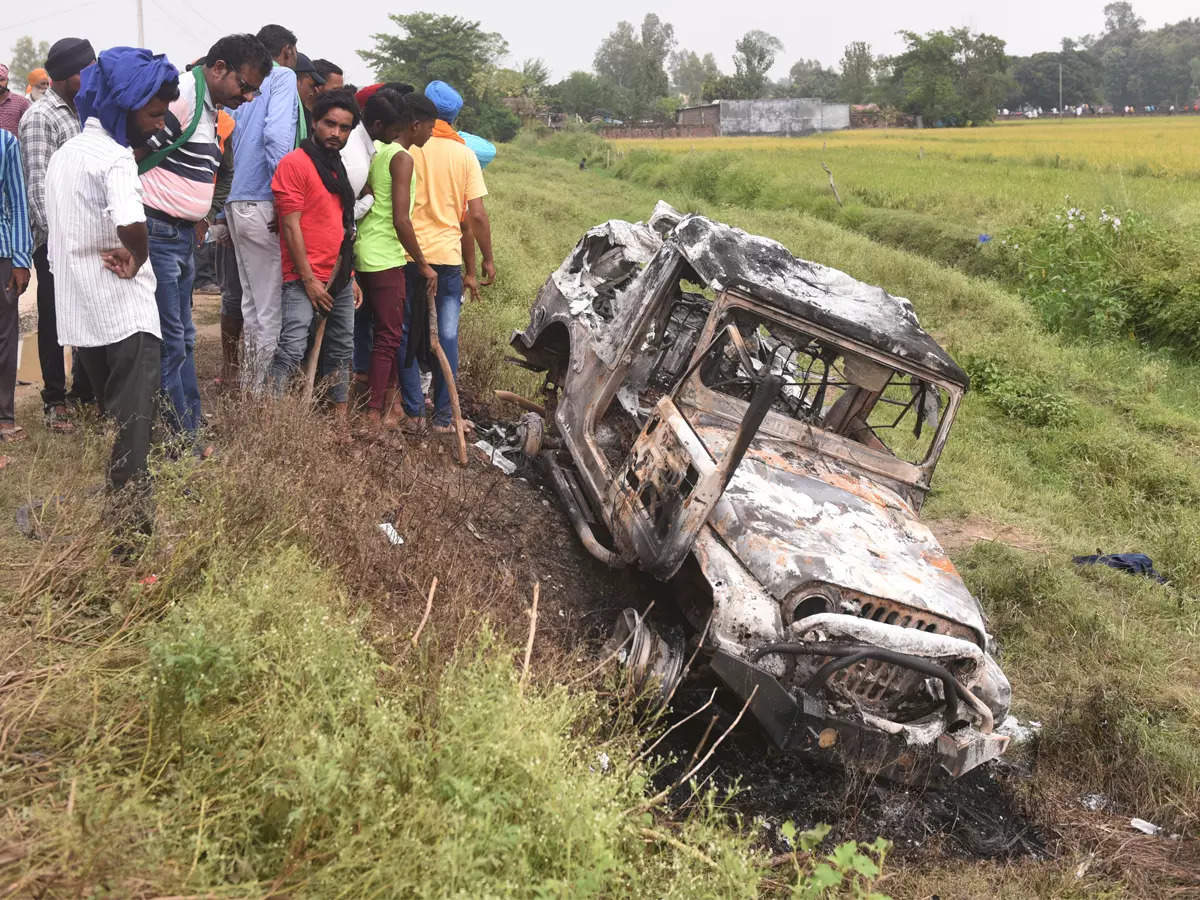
(1152, 145)
(979, 179)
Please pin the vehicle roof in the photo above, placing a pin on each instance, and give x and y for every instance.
(726, 257)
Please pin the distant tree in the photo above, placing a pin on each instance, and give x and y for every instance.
(808, 78)
(1160, 64)
(1036, 79)
(616, 58)
(507, 83)
(495, 122)
(689, 72)
(434, 47)
(722, 87)
(954, 77)
(26, 56)
(755, 55)
(1120, 19)
(658, 40)
(458, 51)
(536, 74)
(858, 72)
(580, 93)
(635, 63)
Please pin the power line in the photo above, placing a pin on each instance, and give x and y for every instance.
(16, 25)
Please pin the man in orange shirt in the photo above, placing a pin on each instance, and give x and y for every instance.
(450, 189)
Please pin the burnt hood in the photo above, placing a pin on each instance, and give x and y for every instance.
(806, 520)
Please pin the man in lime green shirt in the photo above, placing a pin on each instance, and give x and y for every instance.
(386, 241)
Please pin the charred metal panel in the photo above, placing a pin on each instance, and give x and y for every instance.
(815, 523)
(662, 496)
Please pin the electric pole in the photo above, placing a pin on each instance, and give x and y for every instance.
(1060, 87)
(141, 26)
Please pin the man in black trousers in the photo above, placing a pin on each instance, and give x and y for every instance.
(46, 126)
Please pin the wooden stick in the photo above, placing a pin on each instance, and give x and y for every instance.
(836, 195)
(683, 721)
(703, 739)
(537, 590)
(310, 367)
(521, 402)
(448, 374)
(428, 609)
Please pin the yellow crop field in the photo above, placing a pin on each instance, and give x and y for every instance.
(1158, 146)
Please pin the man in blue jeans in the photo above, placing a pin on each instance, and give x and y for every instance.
(450, 190)
(178, 175)
(315, 202)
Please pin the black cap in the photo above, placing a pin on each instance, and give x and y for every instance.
(68, 57)
(304, 66)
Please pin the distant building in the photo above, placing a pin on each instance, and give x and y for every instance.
(767, 117)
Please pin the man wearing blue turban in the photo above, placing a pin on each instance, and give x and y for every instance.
(122, 80)
(98, 247)
(448, 209)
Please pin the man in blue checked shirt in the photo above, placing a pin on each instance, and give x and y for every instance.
(16, 256)
(267, 130)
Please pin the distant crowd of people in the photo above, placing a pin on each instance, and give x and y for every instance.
(319, 200)
(1089, 109)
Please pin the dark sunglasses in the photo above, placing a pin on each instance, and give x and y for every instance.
(245, 88)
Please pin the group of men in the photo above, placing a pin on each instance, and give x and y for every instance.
(318, 197)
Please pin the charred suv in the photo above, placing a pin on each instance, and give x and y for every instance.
(761, 432)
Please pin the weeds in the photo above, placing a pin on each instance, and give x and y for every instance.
(1021, 396)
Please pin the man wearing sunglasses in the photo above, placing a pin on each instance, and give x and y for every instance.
(179, 169)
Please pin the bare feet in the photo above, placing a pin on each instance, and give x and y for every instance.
(468, 427)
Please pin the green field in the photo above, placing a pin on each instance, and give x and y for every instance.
(255, 721)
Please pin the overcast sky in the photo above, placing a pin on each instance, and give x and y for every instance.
(566, 35)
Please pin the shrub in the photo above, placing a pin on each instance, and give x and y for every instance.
(1021, 396)
(1109, 276)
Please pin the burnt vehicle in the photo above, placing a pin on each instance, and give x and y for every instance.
(761, 432)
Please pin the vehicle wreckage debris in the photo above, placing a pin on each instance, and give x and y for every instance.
(760, 432)
(390, 532)
(1145, 827)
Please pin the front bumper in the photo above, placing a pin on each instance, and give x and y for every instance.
(907, 752)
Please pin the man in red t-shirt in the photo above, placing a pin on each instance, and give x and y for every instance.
(315, 205)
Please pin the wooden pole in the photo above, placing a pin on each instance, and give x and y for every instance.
(310, 367)
(448, 374)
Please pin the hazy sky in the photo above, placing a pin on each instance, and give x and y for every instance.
(565, 34)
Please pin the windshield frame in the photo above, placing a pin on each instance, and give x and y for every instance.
(694, 398)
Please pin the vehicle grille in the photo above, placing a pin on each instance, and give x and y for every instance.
(891, 613)
(883, 688)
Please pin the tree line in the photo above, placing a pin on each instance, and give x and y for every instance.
(641, 74)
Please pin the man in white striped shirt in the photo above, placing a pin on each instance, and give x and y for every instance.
(179, 175)
(97, 249)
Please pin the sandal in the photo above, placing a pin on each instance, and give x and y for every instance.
(58, 420)
(411, 425)
(468, 427)
(12, 434)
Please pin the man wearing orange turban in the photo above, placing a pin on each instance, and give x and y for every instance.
(36, 83)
